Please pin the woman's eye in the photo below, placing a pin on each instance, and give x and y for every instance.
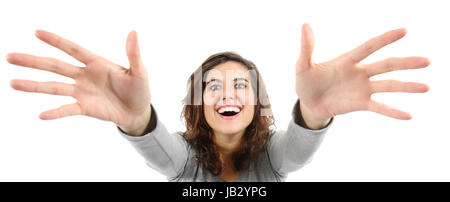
(240, 86)
(214, 87)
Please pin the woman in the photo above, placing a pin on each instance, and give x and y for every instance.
(228, 121)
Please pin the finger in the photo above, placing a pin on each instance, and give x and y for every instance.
(383, 109)
(54, 88)
(67, 46)
(393, 64)
(134, 55)
(63, 111)
(398, 86)
(307, 46)
(374, 44)
(42, 63)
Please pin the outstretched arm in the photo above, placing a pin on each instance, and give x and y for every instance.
(343, 85)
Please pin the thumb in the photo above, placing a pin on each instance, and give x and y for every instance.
(307, 46)
(134, 55)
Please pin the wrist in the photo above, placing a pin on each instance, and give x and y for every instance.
(311, 119)
(138, 126)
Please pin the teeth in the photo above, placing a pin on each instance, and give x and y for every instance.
(229, 109)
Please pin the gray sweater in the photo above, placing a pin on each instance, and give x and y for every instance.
(170, 154)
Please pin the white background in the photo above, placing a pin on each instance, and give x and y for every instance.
(177, 36)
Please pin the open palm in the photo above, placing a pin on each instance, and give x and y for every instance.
(343, 85)
(102, 89)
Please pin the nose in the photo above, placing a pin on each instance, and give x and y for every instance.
(226, 99)
(229, 94)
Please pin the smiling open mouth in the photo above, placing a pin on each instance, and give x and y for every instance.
(229, 112)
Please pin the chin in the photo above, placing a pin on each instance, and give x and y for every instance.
(224, 129)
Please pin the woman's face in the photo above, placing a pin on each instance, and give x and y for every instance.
(228, 98)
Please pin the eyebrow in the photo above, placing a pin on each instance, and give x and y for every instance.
(219, 80)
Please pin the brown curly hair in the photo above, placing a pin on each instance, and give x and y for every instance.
(199, 134)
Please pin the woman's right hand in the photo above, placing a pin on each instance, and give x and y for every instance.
(103, 90)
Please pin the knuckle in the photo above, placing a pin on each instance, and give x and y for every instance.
(53, 89)
(369, 47)
(390, 64)
(74, 50)
(54, 65)
(389, 85)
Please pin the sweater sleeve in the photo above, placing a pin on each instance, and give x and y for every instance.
(163, 151)
(290, 150)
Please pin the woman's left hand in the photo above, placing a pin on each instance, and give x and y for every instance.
(343, 85)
